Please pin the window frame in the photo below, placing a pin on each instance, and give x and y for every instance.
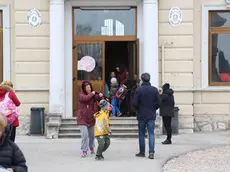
(211, 31)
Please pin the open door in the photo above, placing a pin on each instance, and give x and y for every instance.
(88, 64)
(134, 60)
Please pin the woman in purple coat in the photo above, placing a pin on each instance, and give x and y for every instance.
(85, 118)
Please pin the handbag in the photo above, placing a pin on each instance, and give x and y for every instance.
(9, 109)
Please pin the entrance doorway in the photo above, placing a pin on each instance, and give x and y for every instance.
(103, 38)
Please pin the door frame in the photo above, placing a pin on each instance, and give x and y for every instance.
(69, 39)
(6, 42)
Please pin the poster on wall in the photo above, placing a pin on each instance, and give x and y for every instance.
(87, 63)
(175, 16)
(34, 18)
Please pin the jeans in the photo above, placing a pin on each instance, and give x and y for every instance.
(150, 124)
(115, 109)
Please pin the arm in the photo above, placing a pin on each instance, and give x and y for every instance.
(14, 98)
(18, 161)
(106, 126)
(97, 97)
(158, 100)
(85, 98)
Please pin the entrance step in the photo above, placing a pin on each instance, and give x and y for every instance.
(122, 127)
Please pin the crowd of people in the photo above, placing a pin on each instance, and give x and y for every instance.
(94, 123)
(146, 101)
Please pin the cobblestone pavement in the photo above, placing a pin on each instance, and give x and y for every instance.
(64, 155)
(215, 159)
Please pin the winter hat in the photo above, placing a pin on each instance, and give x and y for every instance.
(166, 86)
(113, 81)
(104, 104)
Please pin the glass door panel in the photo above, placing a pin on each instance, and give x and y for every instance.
(88, 64)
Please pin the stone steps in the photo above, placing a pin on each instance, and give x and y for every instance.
(122, 127)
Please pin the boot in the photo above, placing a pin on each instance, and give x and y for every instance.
(167, 142)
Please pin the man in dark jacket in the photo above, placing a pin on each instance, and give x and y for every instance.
(11, 157)
(167, 110)
(146, 101)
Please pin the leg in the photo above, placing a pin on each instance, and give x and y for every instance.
(84, 139)
(117, 108)
(91, 138)
(13, 134)
(167, 125)
(169, 130)
(101, 145)
(141, 132)
(113, 102)
(107, 143)
(151, 128)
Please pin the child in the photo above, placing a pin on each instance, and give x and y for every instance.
(102, 128)
(114, 100)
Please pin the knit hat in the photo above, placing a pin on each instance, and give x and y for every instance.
(104, 104)
(113, 81)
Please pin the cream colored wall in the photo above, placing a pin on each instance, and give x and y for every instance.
(210, 108)
(178, 57)
(31, 61)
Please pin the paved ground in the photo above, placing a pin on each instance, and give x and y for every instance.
(212, 160)
(64, 155)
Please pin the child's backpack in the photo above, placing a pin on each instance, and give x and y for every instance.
(8, 108)
(121, 92)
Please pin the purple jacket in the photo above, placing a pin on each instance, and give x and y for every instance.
(86, 110)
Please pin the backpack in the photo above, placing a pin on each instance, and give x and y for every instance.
(9, 109)
(121, 92)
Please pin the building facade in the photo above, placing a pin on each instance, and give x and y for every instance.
(192, 57)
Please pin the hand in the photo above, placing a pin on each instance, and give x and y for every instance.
(110, 133)
(100, 95)
(93, 92)
(10, 169)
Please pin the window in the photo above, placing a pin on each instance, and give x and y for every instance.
(98, 22)
(219, 48)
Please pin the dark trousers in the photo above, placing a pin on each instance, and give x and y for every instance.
(167, 120)
(13, 134)
(103, 144)
(150, 124)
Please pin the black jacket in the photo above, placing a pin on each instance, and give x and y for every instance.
(146, 101)
(167, 106)
(10, 154)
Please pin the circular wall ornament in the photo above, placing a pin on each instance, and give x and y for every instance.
(175, 16)
(34, 18)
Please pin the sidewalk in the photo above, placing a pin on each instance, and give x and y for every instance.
(64, 155)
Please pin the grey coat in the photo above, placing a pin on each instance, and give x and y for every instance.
(113, 90)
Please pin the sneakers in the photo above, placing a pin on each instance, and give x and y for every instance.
(140, 154)
(151, 156)
(99, 158)
(118, 115)
(92, 151)
(167, 142)
(83, 154)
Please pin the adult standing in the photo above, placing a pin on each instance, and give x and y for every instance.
(6, 91)
(146, 101)
(122, 74)
(85, 116)
(167, 110)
